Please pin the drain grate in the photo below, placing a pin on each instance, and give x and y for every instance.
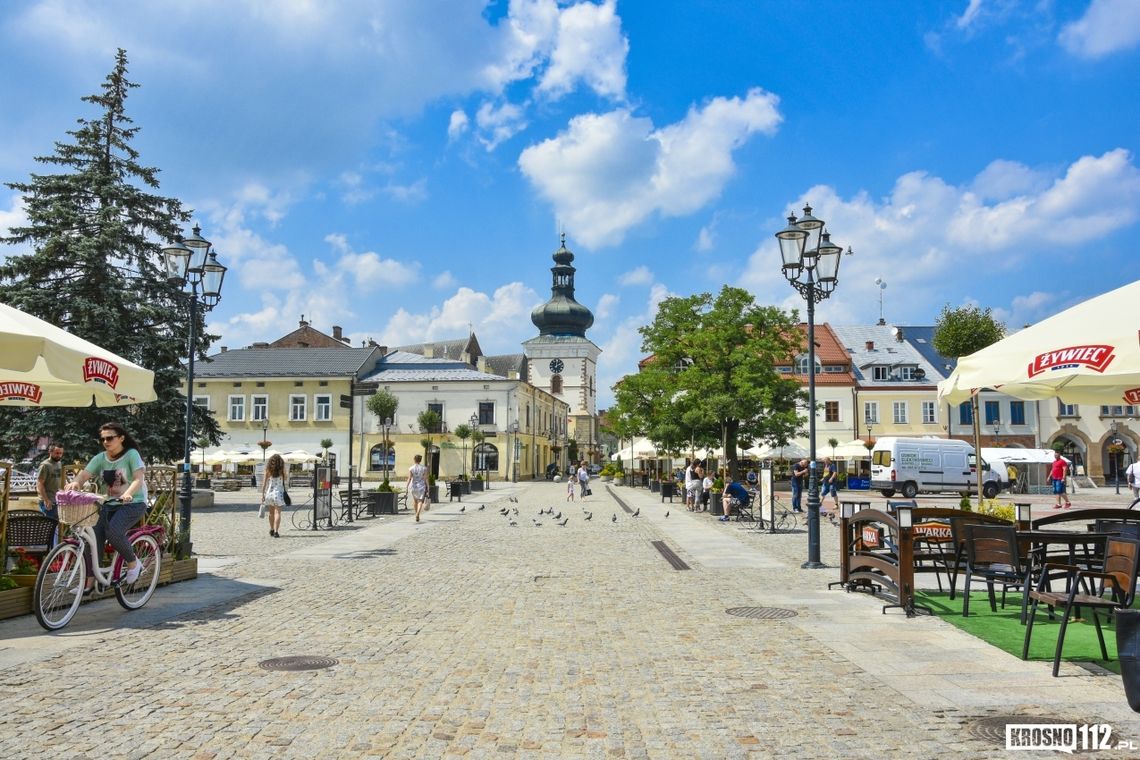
(992, 728)
(297, 663)
(670, 556)
(762, 613)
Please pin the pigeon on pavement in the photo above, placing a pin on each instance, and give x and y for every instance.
(637, 513)
(563, 523)
(482, 507)
(463, 509)
(589, 516)
(537, 524)
(615, 517)
(666, 513)
(514, 524)
(558, 516)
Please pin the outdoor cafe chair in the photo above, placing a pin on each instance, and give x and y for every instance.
(992, 555)
(1087, 589)
(31, 531)
(957, 566)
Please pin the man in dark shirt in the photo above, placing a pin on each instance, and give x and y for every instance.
(799, 480)
(734, 495)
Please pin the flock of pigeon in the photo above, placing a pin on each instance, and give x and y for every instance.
(510, 513)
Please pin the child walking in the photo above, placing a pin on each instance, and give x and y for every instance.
(569, 489)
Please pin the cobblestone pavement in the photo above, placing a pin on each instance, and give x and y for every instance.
(465, 636)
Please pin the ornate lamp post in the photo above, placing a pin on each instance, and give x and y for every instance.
(811, 266)
(513, 438)
(1114, 447)
(264, 444)
(386, 424)
(191, 263)
(474, 424)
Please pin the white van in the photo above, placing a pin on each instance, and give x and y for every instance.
(913, 465)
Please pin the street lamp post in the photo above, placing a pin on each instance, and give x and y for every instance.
(386, 423)
(1115, 456)
(191, 263)
(811, 266)
(513, 439)
(474, 421)
(264, 441)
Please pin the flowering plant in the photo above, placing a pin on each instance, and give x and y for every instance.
(25, 565)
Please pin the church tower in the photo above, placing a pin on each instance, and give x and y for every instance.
(562, 360)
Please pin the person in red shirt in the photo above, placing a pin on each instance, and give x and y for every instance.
(1057, 474)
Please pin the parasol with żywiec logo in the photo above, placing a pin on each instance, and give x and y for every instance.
(42, 365)
(1088, 354)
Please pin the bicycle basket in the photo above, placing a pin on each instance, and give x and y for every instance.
(77, 508)
(79, 515)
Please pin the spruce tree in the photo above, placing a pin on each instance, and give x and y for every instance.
(95, 231)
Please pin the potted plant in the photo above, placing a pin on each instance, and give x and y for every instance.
(477, 482)
(433, 490)
(716, 496)
(26, 569)
(382, 500)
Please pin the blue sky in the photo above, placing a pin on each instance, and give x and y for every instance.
(403, 168)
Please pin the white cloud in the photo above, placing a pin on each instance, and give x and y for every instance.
(457, 124)
(969, 15)
(499, 123)
(1108, 26)
(606, 306)
(607, 173)
(706, 239)
(369, 269)
(445, 280)
(413, 193)
(1004, 179)
(928, 237)
(639, 276)
(501, 320)
(590, 48)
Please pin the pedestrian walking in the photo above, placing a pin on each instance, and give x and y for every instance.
(799, 480)
(1133, 476)
(417, 484)
(583, 480)
(49, 479)
(570, 489)
(830, 485)
(273, 493)
(1057, 473)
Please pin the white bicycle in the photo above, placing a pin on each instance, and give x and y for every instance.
(63, 573)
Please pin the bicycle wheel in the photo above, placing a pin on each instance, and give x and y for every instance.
(149, 553)
(59, 586)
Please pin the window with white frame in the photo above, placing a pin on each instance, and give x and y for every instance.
(259, 408)
(322, 407)
(1066, 410)
(899, 412)
(880, 373)
(297, 404)
(802, 365)
(202, 401)
(906, 373)
(929, 413)
(236, 406)
(870, 412)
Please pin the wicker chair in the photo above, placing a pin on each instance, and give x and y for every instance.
(31, 531)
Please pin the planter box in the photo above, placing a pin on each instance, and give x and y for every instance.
(476, 485)
(433, 494)
(380, 502)
(655, 486)
(15, 602)
(716, 504)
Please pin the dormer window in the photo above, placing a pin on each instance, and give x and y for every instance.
(906, 373)
(880, 373)
(802, 365)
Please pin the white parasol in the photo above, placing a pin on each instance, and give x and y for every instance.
(851, 450)
(1089, 354)
(42, 365)
(299, 456)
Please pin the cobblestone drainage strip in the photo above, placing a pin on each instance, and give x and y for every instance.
(297, 663)
(992, 729)
(670, 556)
(762, 613)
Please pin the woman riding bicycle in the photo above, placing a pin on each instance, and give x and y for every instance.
(119, 473)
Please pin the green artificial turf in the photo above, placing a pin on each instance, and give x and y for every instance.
(1003, 629)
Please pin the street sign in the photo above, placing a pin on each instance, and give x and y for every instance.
(365, 389)
(345, 401)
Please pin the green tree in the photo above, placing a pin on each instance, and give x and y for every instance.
(429, 422)
(384, 405)
(713, 376)
(961, 332)
(463, 432)
(95, 231)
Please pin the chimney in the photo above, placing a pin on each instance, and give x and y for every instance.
(870, 345)
(261, 345)
(224, 349)
(481, 364)
(337, 334)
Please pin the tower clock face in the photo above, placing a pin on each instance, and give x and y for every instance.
(556, 366)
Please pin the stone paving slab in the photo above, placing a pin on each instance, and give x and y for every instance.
(464, 636)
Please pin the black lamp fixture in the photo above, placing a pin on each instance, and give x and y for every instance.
(810, 263)
(192, 266)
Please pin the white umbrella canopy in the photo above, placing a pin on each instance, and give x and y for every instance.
(42, 365)
(1089, 354)
(851, 449)
(791, 450)
(299, 456)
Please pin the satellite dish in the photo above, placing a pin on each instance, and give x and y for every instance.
(920, 373)
(895, 332)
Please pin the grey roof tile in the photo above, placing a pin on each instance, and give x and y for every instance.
(286, 362)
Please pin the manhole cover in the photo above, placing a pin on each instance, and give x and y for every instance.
(993, 729)
(762, 613)
(302, 662)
